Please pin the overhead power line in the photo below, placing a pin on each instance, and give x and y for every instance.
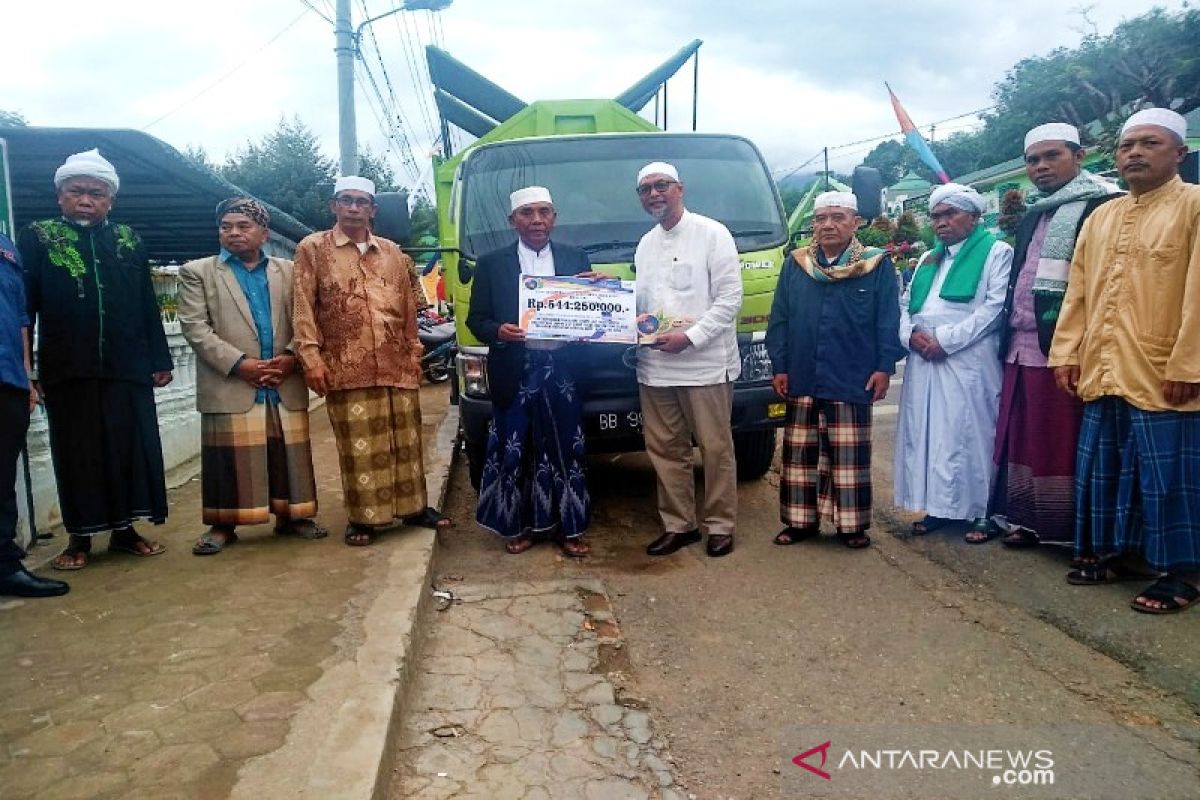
(232, 70)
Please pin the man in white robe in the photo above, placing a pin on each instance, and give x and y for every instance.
(950, 319)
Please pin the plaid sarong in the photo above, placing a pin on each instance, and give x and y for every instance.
(255, 464)
(1137, 485)
(378, 434)
(826, 465)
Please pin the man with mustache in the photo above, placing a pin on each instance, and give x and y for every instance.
(1128, 345)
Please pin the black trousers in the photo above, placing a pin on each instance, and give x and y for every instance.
(14, 423)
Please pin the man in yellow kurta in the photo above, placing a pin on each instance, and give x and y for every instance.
(1128, 343)
(355, 329)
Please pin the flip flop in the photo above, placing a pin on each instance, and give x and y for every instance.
(1020, 537)
(302, 529)
(855, 541)
(363, 536)
(129, 546)
(74, 552)
(1097, 573)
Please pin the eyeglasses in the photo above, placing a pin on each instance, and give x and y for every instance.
(346, 201)
(659, 186)
(78, 192)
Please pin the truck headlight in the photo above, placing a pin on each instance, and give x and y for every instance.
(756, 364)
(472, 375)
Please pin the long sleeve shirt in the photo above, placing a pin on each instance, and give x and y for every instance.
(829, 337)
(355, 312)
(1131, 316)
(691, 272)
(14, 317)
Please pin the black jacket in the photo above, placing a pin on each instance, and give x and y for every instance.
(1024, 236)
(494, 299)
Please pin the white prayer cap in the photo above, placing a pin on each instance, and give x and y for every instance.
(1052, 132)
(656, 168)
(1162, 117)
(529, 195)
(959, 196)
(88, 164)
(842, 199)
(355, 183)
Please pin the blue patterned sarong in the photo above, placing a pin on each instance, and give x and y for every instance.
(534, 480)
(1137, 484)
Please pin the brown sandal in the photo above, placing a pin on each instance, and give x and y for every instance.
(69, 559)
(518, 545)
(575, 548)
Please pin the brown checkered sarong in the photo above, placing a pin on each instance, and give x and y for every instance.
(255, 464)
(378, 433)
(826, 465)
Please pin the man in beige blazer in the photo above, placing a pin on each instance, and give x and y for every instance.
(235, 309)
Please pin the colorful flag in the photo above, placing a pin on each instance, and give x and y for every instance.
(915, 140)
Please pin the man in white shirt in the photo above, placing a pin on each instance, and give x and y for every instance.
(688, 272)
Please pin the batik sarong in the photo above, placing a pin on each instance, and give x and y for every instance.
(1137, 487)
(378, 434)
(826, 469)
(256, 464)
(107, 454)
(534, 474)
(1037, 435)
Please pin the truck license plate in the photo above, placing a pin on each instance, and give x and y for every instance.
(618, 422)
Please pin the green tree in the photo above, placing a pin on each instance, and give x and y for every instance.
(199, 156)
(894, 158)
(12, 119)
(424, 218)
(288, 170)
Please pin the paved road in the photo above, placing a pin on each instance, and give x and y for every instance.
(728, 656)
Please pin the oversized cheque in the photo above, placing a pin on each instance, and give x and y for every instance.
(578, 309)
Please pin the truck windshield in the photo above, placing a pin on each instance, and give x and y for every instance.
(591, 179)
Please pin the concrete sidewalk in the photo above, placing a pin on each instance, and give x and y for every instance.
(270, 670)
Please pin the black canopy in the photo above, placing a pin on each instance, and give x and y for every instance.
(167, 198)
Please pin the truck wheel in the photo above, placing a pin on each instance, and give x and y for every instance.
(476, 453)
(754, 451)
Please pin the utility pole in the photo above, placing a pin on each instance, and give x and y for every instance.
(347, 132)
(827, 169)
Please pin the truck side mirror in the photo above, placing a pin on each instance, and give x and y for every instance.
(391, 216)
(868, 189)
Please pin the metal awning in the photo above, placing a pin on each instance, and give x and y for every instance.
(167, 198)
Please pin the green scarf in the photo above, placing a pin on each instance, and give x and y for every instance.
(965, 272)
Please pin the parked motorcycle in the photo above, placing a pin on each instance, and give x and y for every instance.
(436, 333)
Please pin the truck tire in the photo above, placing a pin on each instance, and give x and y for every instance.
(476, 454)
(754, 451)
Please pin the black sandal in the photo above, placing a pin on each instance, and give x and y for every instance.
(792, 535)
(856, 540)
(428, 518)
(981, 531)
(930, 524)
(1165, 590)
(358, 536)
(1092, 572)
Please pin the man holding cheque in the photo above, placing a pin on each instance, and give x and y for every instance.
(534, 480)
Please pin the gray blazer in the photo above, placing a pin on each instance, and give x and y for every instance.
(217, 323)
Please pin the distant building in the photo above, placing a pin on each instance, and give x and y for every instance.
(910, 185)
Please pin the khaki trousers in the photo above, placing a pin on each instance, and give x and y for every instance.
(672, 417)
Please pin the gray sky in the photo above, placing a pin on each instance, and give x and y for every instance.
(792, 76)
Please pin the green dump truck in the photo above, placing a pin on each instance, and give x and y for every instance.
(588, 152)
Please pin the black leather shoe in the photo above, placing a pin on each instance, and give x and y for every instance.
(719, 545)
(23, 583)
(670, 542)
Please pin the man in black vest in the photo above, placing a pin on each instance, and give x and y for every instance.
(534, 480)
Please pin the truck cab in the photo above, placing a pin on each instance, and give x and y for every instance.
(591, 176)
